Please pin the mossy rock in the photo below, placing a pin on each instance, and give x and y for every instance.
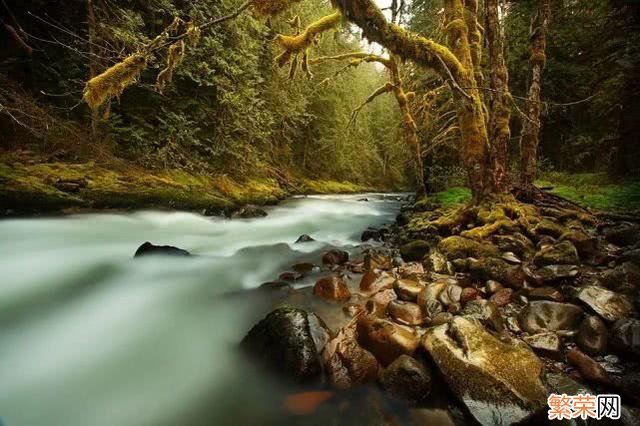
(415, 250)
(485, 231)
(547, 227)
(492, 268)
(457, 247)
(562, 253)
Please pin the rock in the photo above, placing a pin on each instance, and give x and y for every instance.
(410, 269)
(546, 293)
(625, 336)
(450, 294)
(275, 285)
(454, 308)
(560, 383)
(348, 364)
(431, 307)
(554, 273)
(624, 234)
(624, 278)
(365, 199)
(457, 247)
(486, 312)
(441, 318)
(414, 251)
(547, 228)
(549, 316)
(511, 258)
(546, 343)
(430, 292)
(492, 268)
(632, 256)
(377, 261)
(407, 289)
(353, 309)
(335, 257)
(405, 313)
(586, 245)
(438, 263)
(384, 297)
(289, 341)
(304, 238)
(290, 276)
(373, 281)
(386, 340)
(71, 185)
(609, 305)
(376, 309)
(592, 335)
(148, 249)
(532, 277)
(588, 367)
(469, 293)
(498, 382)
(502, 297)
(407, 379)
(371, 234)
(305, 268)
(563, 253)
(248, 212)
(493, 286)
(515, 243)
(332, 288)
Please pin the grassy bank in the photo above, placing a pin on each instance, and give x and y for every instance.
(29, 186)
(595, 191)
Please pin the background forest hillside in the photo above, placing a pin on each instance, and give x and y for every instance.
(230, 113)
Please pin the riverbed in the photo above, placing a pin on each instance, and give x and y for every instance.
(89, 336)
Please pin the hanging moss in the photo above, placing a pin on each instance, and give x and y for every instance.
(174, 57)
(113, 81)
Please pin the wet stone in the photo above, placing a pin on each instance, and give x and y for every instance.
(546, 293)
(592, 335)
(348, 364)
(609, 305)
(554, 273)
(304, 238)
(549, 316)
(407, 379)
(335, 257)
(546, 342)
(502, 297)
(406, 313)
(625, 336)
(373, 281)
(386, 340)
(290, 276)
(407, 289)
(148, 249)
(305, 268)
(331, 288)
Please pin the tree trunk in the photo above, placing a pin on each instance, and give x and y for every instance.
(530, 136)
(98, 115)
(499, 97)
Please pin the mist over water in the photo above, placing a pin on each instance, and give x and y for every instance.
(88, 336)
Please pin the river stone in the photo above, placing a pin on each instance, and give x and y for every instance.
(289, 341)
(588, 367)
(592, 335)
(492, 268)
(624, 278)
(469, 293)
(438, 263)
(503, 297)
(348, 364)
(553, 273)
(332, 288)
(609, 305)
(248, 212)
(625, 336)
(386, 340)
(563, 253)
(546, 342)
(304, 238)
(407, 379)
(335, 257)
(499, 382)
(371, 234)
(586, 245)
(373, 260)
(290, 276)
(406, 313)
(457, 247)
(148, 249)
(305, 268)
(414, 251)
(407, 289)
(546, 293)
(374, 281)
(410, 269)
(486, 312)
(549, 316)
(493, 286)
(450, 294)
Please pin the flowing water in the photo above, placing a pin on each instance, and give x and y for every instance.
(89, 336)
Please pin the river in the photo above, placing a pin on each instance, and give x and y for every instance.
(91, 337)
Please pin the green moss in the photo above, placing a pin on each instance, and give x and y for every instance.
(594, 190)
(308, 186)
(452, 197)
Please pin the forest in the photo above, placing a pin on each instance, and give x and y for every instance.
(355, 211)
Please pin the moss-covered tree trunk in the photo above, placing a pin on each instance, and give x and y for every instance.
(499, 97)
(530, 136)
(96, 66)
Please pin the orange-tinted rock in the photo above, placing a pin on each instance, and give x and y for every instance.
(348, 364)
(332, 288)
(305, 402)
(386, 340)
(335, 257)
(407, 289)
(502, 297)
(377, 261)
(469, 293)
(374, 281)
(410, 269)
(406, 313)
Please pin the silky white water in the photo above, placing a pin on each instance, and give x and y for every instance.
(89, 336)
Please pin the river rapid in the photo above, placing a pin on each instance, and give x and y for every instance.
(91, 337)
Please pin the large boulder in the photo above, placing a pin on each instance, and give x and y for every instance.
(562, 253)
(549, 316)
(498, 381)
(457, 247)
(609, 305)
(289, 341)
(386, 340)
(147, 249)
(407, 379)
(486, 312)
